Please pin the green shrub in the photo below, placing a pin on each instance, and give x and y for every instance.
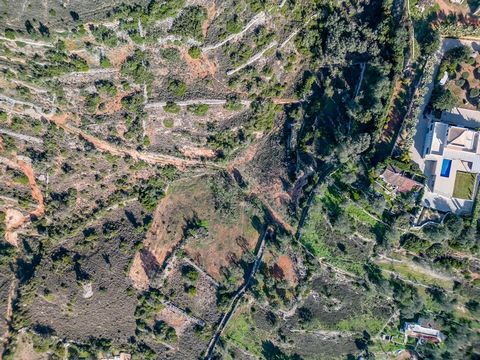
(106, 87)
(234, 26)
(195, 52)
(460, 82)
(443, 99)
(465, 75)
(189, 22)
(190, 273)
(177, 87)
(91, 102)
(105, 62)
(413, 243)
(158, 9)
(233, 103)
(150, 192)
(474, 92)
(171, 107)
(137, 68)
(133, 103)
(171, 54)
(168, 123)
(104, 35)
(198, 109)
(10, 34)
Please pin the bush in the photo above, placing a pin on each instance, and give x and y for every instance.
(198, 109)
(171, 107)
(443, 99)
(195, 52)
(458, 54)
(460, 82)
(233, 103)
(474, 92)
(464, 75)
(10, 34)
(106, 87)
(133, 103)
(234, 26)
(168, 123)
(177, 87)
(105, 62)
(171, 55)
(91, 102)
(158, 10)
(190, 273)
(150, 192)
(136, 67)
(104, 35)
(413, 243)
(189, 23)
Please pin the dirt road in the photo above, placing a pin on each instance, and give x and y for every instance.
(238, 296)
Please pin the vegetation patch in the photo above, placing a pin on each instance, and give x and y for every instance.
(464, 185)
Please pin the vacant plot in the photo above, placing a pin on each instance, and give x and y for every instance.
(56, 299)
(211, 220)
(464, 185)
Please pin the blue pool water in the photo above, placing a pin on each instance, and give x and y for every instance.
(446, 166)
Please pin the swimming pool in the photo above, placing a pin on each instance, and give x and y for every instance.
(446, 166)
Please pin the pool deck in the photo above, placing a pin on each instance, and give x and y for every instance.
(439, 190)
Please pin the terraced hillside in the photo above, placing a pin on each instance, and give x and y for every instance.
(195, 179)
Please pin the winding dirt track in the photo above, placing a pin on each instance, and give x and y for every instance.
(149, 157)
(13, 223)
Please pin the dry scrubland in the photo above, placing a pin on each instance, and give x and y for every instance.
(196, 179)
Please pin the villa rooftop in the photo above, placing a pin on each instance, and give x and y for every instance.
(451, 158)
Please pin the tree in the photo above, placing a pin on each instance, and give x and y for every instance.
(428, 37)
(443, 99)
(10, 34)
(406, 297)
(198, 109)
(351, 147)
(458, 54)
(194, 52)
(189, 23)
(177, 87)
(171, 107)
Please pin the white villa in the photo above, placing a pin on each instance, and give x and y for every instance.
(423, 333)
(452, 161)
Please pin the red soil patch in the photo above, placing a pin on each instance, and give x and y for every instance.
(114, 104)
(285, 264)
(118, 55)
(137, 273)
(211, 12)
(164, 234)
(14, 218)
(197, 153)
(36, 193)
(173, 319)
(60, 119)
(199, 68)
(224, 247)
